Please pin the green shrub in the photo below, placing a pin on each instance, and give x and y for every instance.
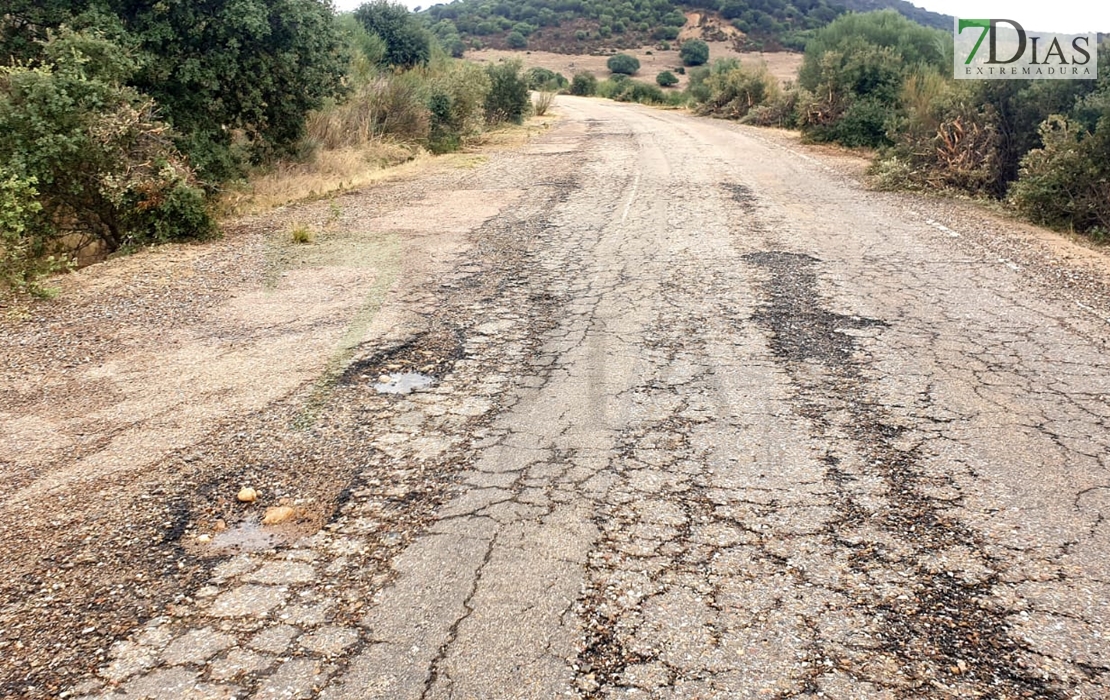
(863, 123)
(623, 89)
(456, 96)
(507, 100)
(694, 52)
(665, 34)
(581, 35)
(623, 63)
(1066, 183)
(544, 79)
(944, 137)
(584, 84)
(105, 169)
(25, 254)
(666, 79)
(609, 88)
(695, 87)
(778, 110)
(367, 50)
(854, 70)
(646, 93)
(860, 86)
(235, 79)
(677, 98)
(734, 92)
(912, 44)
(408, 43)
(515, 40)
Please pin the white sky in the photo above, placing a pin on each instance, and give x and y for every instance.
(1064, 16)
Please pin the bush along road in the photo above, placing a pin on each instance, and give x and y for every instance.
(647, 407)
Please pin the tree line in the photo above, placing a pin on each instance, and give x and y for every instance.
(881, 81)
(771, 24)
(121, 120)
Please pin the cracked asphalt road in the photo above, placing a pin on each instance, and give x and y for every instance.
(709, 420)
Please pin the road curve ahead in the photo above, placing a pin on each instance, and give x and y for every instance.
(722, 424)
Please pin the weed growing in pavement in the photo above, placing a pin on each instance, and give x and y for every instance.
(302, 234)
(543, 102)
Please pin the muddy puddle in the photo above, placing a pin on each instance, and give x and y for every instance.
(246, 536)
(403, 383)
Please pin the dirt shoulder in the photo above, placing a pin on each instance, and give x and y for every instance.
(136, 404)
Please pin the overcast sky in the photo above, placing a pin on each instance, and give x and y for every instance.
(1065, 16)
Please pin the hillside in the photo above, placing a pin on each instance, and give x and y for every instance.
(906, 9)
(583, 26)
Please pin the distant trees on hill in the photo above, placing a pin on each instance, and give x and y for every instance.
(768, 23)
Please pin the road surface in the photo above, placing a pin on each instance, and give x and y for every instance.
(708, 419)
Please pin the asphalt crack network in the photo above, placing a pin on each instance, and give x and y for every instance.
(674, 447)
(942, 631)
(286, 616)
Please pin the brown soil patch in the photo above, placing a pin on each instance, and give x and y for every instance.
(708, 26)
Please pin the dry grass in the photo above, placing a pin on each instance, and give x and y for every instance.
(302, 233)
(336, 170)
(542, 102)
(387, 105)
(328, 171)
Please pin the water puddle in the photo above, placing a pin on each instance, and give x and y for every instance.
(403, 383)
(247, 536)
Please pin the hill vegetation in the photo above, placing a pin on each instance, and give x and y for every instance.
(580, 26)
(882, 81)
(908, 10)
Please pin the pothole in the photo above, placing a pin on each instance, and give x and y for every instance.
(250, 535)
(416, 363)
(403, 383)
(246, 536)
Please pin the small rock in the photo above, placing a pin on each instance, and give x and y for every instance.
(220, 525)
(247, 495)
(278, 514)
(204, 538)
